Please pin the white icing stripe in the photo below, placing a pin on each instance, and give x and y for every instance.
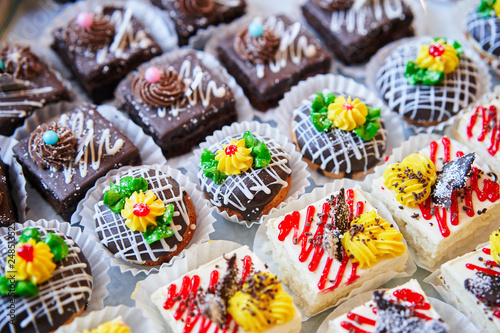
(54, 295)
(354, 20)
(195, 92)
(247, 182)
(20, 93)
(484, 31)
(139, 248)
(291, 47)
(321, 147)
(28, 103)
(13, 113)
(458, 89)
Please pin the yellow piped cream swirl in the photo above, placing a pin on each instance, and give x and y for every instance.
(371, 237)
(411, 179)
(446, 62)
(261, 304)
(495, 246)
(347, 114)
(39, 269)
(114, 326)
(234, 158)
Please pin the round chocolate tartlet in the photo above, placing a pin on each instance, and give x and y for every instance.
(146, 217)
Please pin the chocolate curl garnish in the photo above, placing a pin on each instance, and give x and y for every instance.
(92, 36)
(257, 44)
(485, 287)
(196, 8)
(332, 244)
(158, 89)
(228, 285)
(332, 5)
(57, 155)
(20, 62)
(453, 177)
(341, 212)
(213, 307)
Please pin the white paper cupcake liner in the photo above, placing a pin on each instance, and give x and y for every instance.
(299, 167)
(93, 253)
(456, 321)
(243, 108)
(204, 224)
(378, 60)
(262, 246)
(149, 151)
(196, 256)
(413, 145)
(156, 21)
(336, 84)
(16, 176)
(133, 317)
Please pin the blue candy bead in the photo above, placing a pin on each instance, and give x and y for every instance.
(50, 137)
(256, 29)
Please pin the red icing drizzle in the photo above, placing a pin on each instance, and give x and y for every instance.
(415, 298)
(434, 146)
(360, 319)
(481, 269)
(447, 149)
(350, 199)
(351, 327)
(488, 116)
(486, 251)
(214, 277)
(496, 313)
(354, 275)
(247, 264)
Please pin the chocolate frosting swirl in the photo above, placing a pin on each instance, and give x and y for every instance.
(332, 5)
(259, 50)
(164, 93)
(196, 8)
(101, 33)
(58, 155)
(20, 62)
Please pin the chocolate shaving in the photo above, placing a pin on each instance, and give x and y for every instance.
(228, 285)
(485, 287)
(341, 212)
(453, 177)
(213, 307)
(331, 243)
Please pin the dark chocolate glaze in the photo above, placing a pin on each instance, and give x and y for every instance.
(352, 47)
(336, 147)
(100, 80)
(117, 237)
(68, 288)
(485, 32)
(176, 135)
(187, 26)
(8, 213)
(233, 193)
(52, 186)
(264, 93)
(421, 104)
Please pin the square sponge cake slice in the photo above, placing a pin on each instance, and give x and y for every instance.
(233, 293)
(333, 246)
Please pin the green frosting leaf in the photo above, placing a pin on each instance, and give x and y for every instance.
(319, 111)
(4, 285)
(30, 233)
(115, 197)
(57, 246)
(26, 289)
(486, 8)
(167, 216)
(368, 130)
(415, 75)
(155, 233)
(373, 114)
(250, 140)
(260, 151)
(209, 166)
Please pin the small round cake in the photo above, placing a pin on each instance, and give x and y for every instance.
(47, 281)
(245, 175)
(427, 81)
(145, 217)
(339, 137)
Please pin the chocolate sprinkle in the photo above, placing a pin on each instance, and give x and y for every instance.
(485, 287)
(228, 285)
(341, 212)
(331, 243)
(453, 177)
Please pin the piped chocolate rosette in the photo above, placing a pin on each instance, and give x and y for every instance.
(196, 8)
(257, 44)
(159, 87)
(433, 62)
(90, 31)
(19, 62)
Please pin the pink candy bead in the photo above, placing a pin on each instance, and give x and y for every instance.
(152, 75)
(85, 20)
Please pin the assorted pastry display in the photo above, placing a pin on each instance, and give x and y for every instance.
(338, 136)
(234, 293)
(145, 217)
(333, 246)
(271, 55)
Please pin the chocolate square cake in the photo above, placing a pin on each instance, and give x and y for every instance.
(7, 208)
(189, 16)
(26, 83)
(269, 56)
(63, 159)
(354, 35)
(101, 48)
(178, 100)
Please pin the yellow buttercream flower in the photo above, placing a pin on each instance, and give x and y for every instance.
(371, 237)
(347, 114)
(114, 326)
(439, 57)
(495, 246)
(261, 304)
(234, 158)
(141, 210)
(496, 7)
(33, 262)
(411, 179)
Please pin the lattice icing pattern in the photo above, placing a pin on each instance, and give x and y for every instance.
(130, 245)
(64, 294)
(319, 147)
(239, 191)
(485, 32)
(423, 103)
